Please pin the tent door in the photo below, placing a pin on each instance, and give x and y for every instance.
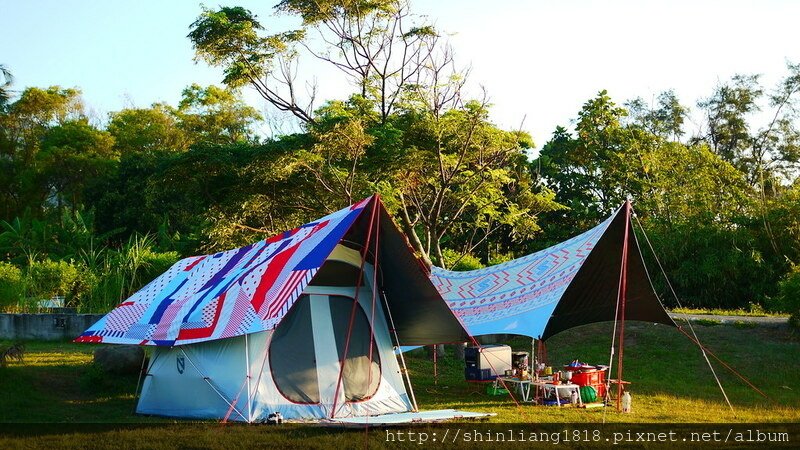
(336, 315)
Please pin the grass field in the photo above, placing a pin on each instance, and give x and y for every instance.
(57, 383)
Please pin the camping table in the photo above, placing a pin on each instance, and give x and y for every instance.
(544, 385)
(523, 386)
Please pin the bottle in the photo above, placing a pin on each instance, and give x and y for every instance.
(626, 402)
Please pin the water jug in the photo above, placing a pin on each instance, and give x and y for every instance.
(626, 402)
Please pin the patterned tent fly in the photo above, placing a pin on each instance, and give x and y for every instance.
(227, 294)
(570, 284)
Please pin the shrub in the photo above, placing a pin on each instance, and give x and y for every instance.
(11, 284)
(789, 295)
(156, 264)
(707, 322)
(47, 278)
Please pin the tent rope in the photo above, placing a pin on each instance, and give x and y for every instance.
(742, 377)
(677, 300)
(214, 388)
(398, 351)
(235, 401)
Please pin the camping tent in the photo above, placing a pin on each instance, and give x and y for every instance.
(596, 276)
(304, 323)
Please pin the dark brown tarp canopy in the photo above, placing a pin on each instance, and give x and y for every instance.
(592, 296)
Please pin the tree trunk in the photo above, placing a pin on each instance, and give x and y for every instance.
(437, 253)
(413, 238)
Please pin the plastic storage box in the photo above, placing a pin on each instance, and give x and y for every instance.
(487, 362)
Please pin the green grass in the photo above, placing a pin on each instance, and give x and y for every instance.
(671, 382)
(753, 312)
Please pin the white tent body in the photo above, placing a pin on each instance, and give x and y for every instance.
(293, 369)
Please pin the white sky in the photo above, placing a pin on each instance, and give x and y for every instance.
(539, 60)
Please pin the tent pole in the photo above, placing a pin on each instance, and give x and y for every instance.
(623, 294)
(140, 383)
(400, 352)
(353, 309)
(435, 371)
(247, 373)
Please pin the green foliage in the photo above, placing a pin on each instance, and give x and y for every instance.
(145, 130)
(118, 205)
(47, 278)
(229, 38)
(12, 285)
(707, 322)
(788, 298)
(742, 325)
(215, 116)
(458, 262)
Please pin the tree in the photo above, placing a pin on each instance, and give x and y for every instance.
(23, 127)
(664, 120)
(72, 155)
(463, 181)
(215, 116)
(406, 112)
(229, 38)
(770, 155)
(378, 45)
(32, 114)
(149, 129)
(592, 172)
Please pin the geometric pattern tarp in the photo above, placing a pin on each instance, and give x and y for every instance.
(570, 284)
(250, 289)
(224, 295)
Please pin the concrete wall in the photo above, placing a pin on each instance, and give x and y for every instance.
(45, 327)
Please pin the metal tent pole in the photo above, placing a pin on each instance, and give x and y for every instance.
(247, 373)
(622, 293)
(353, 310)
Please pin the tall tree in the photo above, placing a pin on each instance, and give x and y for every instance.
(147, 129)
(378, 45)
(216, 116)
(72, 155)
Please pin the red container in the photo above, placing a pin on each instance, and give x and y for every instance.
(594, 378)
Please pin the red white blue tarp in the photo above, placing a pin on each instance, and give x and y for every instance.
(227, 294)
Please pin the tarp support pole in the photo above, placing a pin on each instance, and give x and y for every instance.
(435, 371)
(139, 381)
(623, 293)
(247, 372)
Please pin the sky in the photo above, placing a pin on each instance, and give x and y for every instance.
(539, 61)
